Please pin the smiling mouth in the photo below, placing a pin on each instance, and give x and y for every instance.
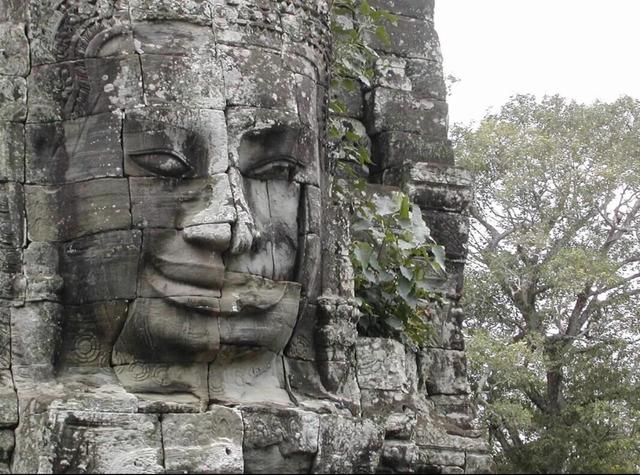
(211, 290)
(203, 275)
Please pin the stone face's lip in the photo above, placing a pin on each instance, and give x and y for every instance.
(207, 305)
(241, 293)
(196, 274)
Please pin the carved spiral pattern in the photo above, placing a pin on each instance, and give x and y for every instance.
(86, 348)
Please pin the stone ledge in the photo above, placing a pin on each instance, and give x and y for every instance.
(418, 9)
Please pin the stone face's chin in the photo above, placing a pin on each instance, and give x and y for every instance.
(179, 337)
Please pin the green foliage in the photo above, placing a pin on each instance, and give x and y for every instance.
(395, 262)
(553, 283)
(394, 258)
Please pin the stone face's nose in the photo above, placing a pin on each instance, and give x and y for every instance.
(225, 223)
(244, 228)
(216, 237)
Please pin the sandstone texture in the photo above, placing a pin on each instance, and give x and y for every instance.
(176, 294)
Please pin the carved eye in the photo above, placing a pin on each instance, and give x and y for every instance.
(162, 162)
(281, 169)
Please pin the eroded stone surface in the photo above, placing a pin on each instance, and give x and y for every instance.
(103, 205)
(279, 440)
(105, 443)
(348, 445)
(203, 443)
(74, 150)
(381, 364)
(167, 242)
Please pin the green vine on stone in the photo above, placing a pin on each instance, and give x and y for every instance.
(397, 264)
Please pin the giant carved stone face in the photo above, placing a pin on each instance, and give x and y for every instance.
(179, 174)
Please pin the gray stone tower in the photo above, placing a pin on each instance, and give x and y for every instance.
(175, 288)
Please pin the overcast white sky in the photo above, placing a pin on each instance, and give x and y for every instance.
(582, 49)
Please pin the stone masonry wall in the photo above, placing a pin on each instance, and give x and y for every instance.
(364, 405)
(405, 115)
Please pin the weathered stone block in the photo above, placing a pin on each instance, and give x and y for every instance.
(41, 271)
(52, 33)
(422, 78)
(198, 136)
(100, 267)
(436, 187)
(390, 72)
(399, 456)
(450, 230)
(256, 133)
(179, 80)
(393, 410)
(12, 215)
(203, 443)
(275, 87)
(308, 272)
(11, 281)
(434, 456)
(254, 375)
(8, 400)
(277, 303)
(274, 206)
(381, 364)
(352, 100)
(391, 110)
(340, 379)
(163, 203)
(420, 9)
(5, 337)
(191, 11)
(479, 463)
(434, 431)
(164, 379)
(74, 150)
(14, 60)
(105, 443)
(302, 343)
(177, 38)
(89, 333)
(457, 408)
(35, 333)
(12, 151)
(347, 445)
(395, 148)
(410, 38)
(427, 79)
(82, 88)
(311, 206)
(60, 213)
(279, 440)
(7, 443)
(255, 24)
(149, 403)
(443, 371)
(10, 260)
(447, 325)
(13, 11)
(13, 99)
(304, 381)
(169, 268)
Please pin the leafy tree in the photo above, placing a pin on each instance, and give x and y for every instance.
(553, 282)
